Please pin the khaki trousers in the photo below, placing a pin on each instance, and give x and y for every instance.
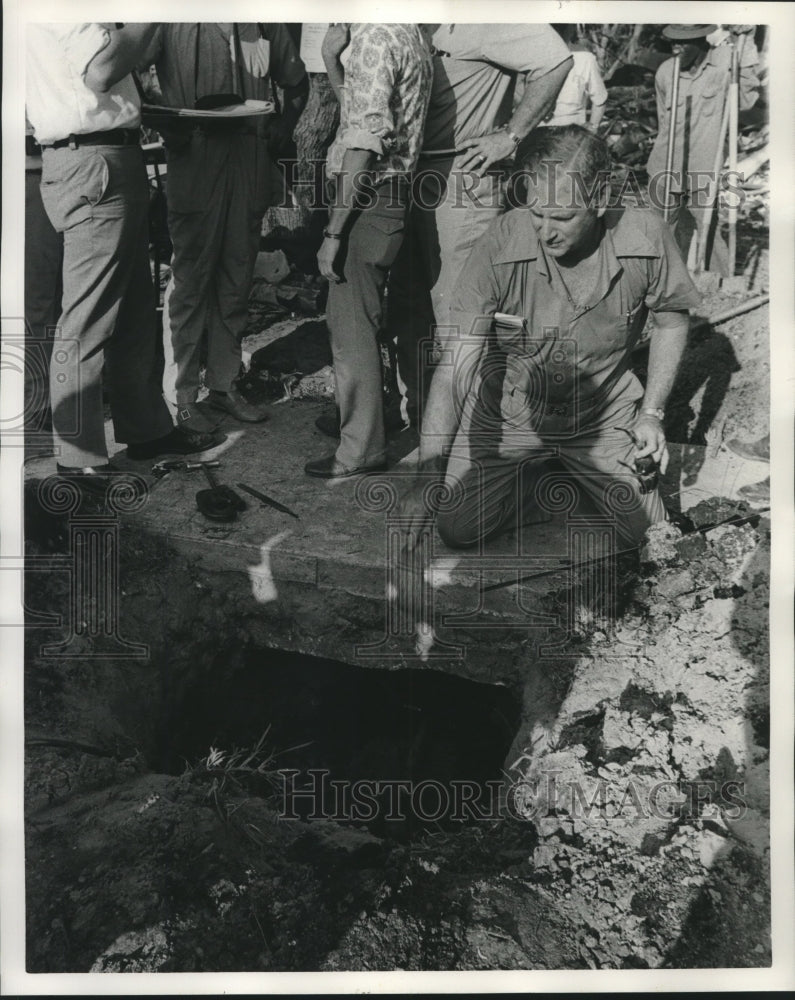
(353, 314)
(98, 197)
(450, 211)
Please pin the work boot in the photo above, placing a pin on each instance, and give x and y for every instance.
(178, 441)
(755, 451)
(193, 417)
(236, 405)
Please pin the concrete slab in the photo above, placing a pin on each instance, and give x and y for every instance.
(326, 584)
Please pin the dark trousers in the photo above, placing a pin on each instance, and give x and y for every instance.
(354, 314)
(98, 198)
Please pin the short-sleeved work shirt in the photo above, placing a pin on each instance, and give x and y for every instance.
(58, 101)
(701, 98)
(474, 72)
(578, 346)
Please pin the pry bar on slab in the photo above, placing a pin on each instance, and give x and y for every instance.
(268, 501)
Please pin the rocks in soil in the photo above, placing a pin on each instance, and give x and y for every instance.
(643, 777)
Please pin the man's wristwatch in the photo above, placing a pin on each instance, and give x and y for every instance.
(332, 236)
(515, 139)
(658, 413)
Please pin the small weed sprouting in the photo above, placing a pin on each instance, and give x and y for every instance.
(249, 770)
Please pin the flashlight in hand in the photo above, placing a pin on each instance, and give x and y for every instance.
(646, 469)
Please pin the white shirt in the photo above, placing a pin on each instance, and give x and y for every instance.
(582, 83)
(58, 100)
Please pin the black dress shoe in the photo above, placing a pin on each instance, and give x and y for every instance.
(178, 441)
(96, 480)
(329, 468)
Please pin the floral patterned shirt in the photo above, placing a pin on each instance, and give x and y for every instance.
(388, 72)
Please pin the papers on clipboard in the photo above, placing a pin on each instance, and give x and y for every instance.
(153, 114)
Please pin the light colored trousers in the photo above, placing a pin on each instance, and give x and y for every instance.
(450, 210)
(353, 314)
(98, 197)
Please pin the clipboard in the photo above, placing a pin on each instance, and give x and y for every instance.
(156, 114)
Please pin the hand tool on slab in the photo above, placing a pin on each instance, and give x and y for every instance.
(162, 468)
(265, 499)
(219, 502)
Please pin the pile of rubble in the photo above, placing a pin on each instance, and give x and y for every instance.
(649, 791)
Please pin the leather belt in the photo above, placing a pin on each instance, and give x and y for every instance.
(111, 137)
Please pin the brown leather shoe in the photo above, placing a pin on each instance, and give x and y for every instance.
(233, 403)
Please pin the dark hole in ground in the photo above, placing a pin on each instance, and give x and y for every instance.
(445, 735)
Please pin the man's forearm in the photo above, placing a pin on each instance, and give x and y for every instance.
(451, 387)
(336, 73)
(538, 99)
(354, 164)
(120, 56)
(665, 354)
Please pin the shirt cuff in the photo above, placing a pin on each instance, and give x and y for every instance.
(359, 138)
(82, 43)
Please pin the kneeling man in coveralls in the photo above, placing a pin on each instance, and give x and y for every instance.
(536, 364)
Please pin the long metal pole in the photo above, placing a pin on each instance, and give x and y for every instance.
(720, 155)
(734, 108)
(669, 159)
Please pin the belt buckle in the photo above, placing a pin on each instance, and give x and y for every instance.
(73, 143)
